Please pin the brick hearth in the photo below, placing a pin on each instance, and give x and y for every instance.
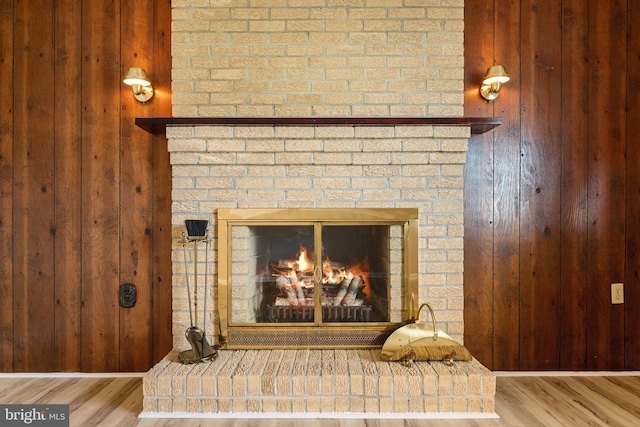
(321, 383)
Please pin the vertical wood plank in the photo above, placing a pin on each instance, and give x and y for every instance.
(161, 316)
(34, 184)
(136, 191)
(506, 180)
(100, 184)
(573, 202)
(6, 186)
(632, 274)
(540, 184)
(68, 253)
(478, 194)
(606, 204)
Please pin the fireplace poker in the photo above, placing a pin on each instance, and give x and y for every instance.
(184, 251)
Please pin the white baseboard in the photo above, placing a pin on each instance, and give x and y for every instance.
(72, 375)
(566, 373)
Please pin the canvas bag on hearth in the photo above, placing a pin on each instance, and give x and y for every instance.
(422, 341)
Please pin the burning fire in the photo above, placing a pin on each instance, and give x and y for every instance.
(297, 274)
(303, 261)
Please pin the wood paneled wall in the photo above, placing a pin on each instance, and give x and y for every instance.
(84, 194)
(552, 200)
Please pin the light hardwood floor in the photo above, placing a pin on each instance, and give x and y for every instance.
(520, 401)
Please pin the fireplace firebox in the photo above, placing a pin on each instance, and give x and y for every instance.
(315, 278)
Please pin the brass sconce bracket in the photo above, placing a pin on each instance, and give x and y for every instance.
(492, 82)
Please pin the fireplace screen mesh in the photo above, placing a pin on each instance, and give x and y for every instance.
(301, 273)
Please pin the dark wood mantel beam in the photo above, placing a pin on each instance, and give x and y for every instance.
(158, 125)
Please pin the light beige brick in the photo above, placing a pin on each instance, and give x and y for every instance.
(460, 404)
(269, 405)
(488, 405)
(386, 405)
(333, 158)
(327, 406)
(256, 158)
(254, 132)
(292, 110)
(382, 195)
(292, 183)
(342, 145)
(488, 385)
(254, 111)
(271, 26)
(254, 405)
(370, 183)
(460, 384)
(288, 14)
(179, 405)
(305, 25)
(342, 98)
(313, 405)
(231, 145)
(371, 158)
(268, 385)
(262, 145)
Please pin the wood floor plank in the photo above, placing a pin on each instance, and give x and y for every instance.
(623, 396)
(126, 413)
(511, 395)
(33, 390)
(109, 398)
(520, 401)
(561, 401)
(613, 412)
(67, 391)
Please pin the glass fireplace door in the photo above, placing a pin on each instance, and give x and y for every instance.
(272, 274)
(355, 273)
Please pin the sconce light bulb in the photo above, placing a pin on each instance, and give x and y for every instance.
(140, 84)
(492, 82)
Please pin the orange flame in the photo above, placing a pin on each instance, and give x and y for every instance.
(362, 269)
(303, 261)
(304, 265)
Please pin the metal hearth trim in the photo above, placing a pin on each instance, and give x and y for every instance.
(293, 338)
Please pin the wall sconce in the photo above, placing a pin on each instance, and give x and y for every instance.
(492, 82)
(140, 84)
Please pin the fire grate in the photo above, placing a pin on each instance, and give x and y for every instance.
(329, 313)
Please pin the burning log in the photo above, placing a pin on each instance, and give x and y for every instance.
(341, 282)
(342, 291)
(291, 290)
(349, 288)
(356, 284)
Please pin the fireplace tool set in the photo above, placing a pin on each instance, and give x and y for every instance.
(201, 350)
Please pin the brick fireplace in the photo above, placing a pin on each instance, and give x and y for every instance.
(320, 167)
(320, 58)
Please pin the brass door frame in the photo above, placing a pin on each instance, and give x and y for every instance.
(375, 331)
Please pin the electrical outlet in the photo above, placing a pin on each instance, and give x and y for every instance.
(617, 293)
